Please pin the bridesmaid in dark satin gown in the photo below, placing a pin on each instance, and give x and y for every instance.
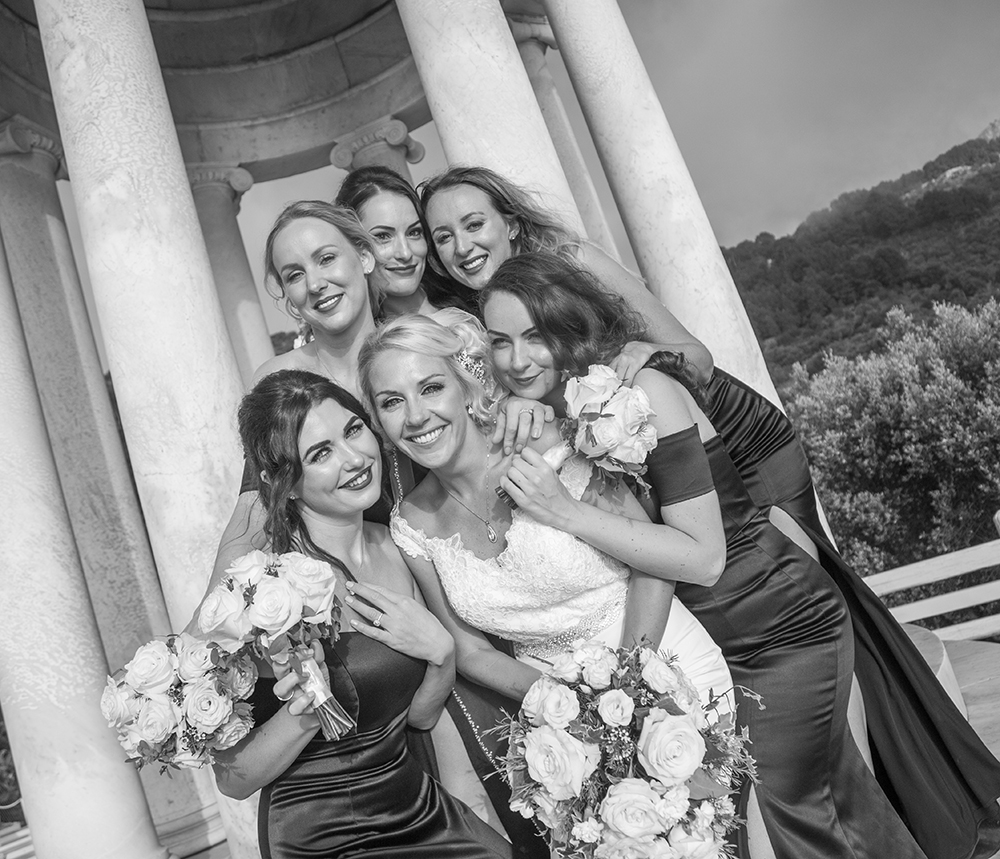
(392, 667)
(939, 775)
(363, 795)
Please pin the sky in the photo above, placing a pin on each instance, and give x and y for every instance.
(778, 106)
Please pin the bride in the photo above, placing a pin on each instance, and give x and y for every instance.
(484, 568)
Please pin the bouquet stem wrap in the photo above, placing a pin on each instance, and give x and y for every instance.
(333, 718)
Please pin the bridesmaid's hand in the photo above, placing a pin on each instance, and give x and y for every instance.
(519, 421)
(633, 358)
(538, 491)
(400, 622)
(289, 686)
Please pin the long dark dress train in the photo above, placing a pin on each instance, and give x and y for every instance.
(365, 795)
(939, 775)
(786, 634)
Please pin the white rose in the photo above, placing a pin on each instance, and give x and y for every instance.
(558, 761)
(559, 707)
(617, 846)
(629, 808)
(118, 704)
(276, 606)
(194, 657)
(598, 675)
(205, 707)
(157, 719)
(696, 844)
(315, 580)
(635, 447)
(594, 389)
(687, 698)
(669, 748)
(240, 678)
(616, 708)
(250, 568)
(588, 831)
(565, 668)
(599, 437)
(673, 805)
(152, 669)
(531, 705)
(659, 676)
(234, 730)
(222, 617)
(632, 405)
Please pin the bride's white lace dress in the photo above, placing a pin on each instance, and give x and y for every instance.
(547, 589)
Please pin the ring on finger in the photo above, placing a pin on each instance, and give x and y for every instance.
(287, 698)
(525, 412)
(377, 620)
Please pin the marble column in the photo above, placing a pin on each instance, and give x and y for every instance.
(479, 94)
(97, 488)
(175, 375)
(385, 142)
(217, 189)
(533, 37)
(78, 795)
(666, 222)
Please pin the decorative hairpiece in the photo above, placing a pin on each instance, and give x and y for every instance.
(475, 366)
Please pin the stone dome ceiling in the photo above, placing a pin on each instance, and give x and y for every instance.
(268, 84)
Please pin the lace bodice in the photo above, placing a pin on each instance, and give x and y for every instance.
(546, 589)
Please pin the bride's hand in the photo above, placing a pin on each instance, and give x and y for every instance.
(519, 421)
(399, 622)
(538, 491)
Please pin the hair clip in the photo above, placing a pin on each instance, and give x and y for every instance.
(475, 366)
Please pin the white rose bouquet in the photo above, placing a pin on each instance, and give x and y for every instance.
(276, 605)
(179, 700)
(607, 422)
(614, 754)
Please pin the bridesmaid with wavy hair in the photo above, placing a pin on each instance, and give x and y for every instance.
(782, 621)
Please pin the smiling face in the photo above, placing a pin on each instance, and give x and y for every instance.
(341, 467)
(323, 274)
(521, 360)
(399, 241)
(470, 235)
(421, 406)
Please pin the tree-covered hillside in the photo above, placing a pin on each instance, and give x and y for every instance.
(931, 235)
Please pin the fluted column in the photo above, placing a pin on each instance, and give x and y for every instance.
(533, 36)
(217, 189)
(79, 797)
(479, 94)
(100, 499)
(670, 233)
(175, 375)
(385, 142)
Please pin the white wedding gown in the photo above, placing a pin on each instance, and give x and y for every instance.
(547, 589)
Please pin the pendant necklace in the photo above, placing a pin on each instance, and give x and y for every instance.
(491, 533)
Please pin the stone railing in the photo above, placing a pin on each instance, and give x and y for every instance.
(939, 569)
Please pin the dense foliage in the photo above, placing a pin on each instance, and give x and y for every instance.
(905, 442)
(929, 236)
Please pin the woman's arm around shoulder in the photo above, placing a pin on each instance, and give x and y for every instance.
(664, 328)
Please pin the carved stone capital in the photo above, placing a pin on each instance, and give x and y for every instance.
(235, 180)
(20, 136)
(382, 132)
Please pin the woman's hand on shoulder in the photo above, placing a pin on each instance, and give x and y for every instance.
(520, 420)
(536, 488)
(400, 622)
(633, 358)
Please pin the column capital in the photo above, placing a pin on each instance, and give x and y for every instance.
(20, 136)
(531, 28)
(237, 179)
(385, 131)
